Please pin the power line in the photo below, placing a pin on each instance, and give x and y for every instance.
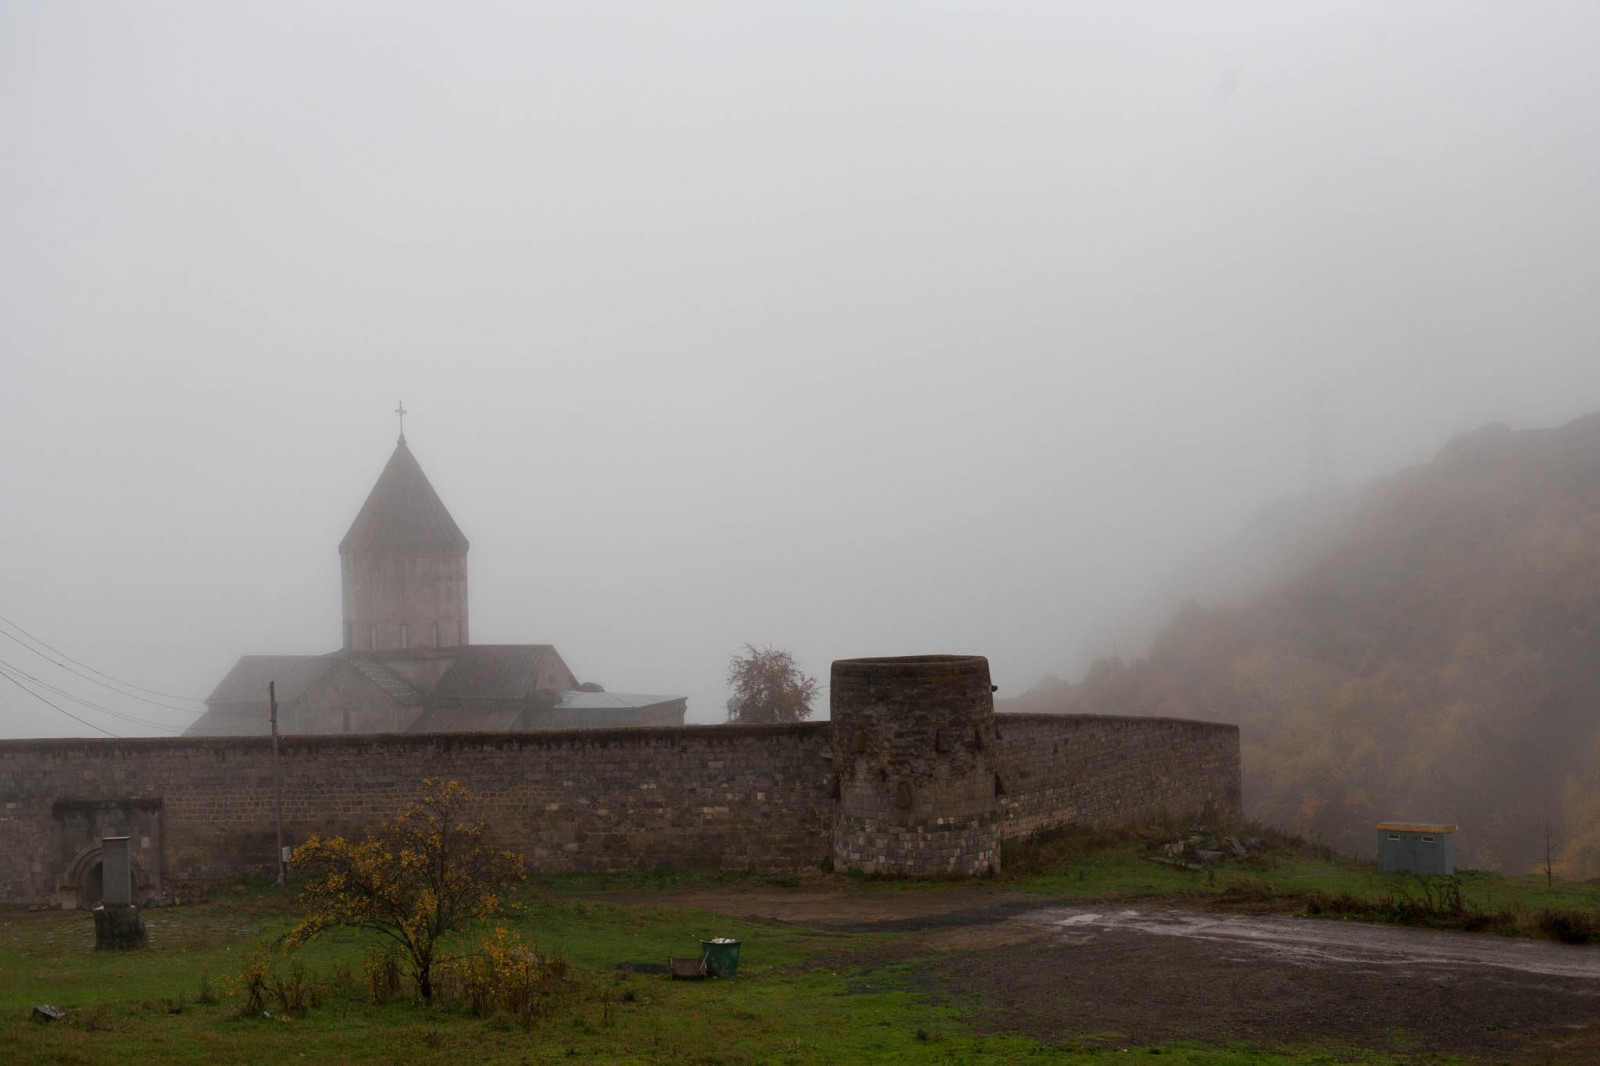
(92, 670)
(124, 716)
(63, 710)
(91, 680)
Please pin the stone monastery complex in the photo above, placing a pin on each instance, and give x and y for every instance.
(914, 773)
(406, 665)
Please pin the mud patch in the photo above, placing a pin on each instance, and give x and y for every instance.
(1154, 979)
(1209, 969)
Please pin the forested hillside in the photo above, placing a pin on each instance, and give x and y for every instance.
(1438, 660)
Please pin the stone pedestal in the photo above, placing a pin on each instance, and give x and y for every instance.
(117, 927)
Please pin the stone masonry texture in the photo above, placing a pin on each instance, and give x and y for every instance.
(914, 750)
(731, 797)
(1104, 771)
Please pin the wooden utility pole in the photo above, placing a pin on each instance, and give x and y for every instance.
(1549, 876)
(277, 778)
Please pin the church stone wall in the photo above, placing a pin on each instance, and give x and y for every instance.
(346, 702)
(721, 797)
(425, 595)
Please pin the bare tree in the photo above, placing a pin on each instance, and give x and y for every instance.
(768, 687)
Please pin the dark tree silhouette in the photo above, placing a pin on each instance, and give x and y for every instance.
(768, 687)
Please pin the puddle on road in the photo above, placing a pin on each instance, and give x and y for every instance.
(1310, 942)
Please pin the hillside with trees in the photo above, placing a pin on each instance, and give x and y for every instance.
(1438, 659)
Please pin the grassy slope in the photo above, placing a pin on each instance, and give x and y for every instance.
(1293, 877)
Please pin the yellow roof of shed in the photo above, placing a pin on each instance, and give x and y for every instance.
(1414, 827)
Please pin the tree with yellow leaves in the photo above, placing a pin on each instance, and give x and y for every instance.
(415, 880)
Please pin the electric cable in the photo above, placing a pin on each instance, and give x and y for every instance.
(91, 680)
(123, 715)
(63, 710)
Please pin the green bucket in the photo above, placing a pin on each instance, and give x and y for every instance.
(721, 957)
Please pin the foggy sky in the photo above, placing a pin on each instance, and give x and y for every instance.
(855, 329)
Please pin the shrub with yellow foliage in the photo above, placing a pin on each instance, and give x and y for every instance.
(415, 880)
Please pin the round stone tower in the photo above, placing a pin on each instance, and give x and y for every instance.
(914, 751)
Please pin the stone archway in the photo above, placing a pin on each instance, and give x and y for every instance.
(81, 825)
(82, 886)
(91, 887)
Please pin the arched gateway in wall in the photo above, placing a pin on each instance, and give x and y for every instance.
(76, 828)
(82, 885)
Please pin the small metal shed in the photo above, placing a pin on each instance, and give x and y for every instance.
(1421, 849)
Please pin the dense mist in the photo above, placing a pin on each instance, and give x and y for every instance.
(1429, 656)
(849, 330)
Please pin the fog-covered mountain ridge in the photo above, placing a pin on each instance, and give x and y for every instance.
(1434, 658)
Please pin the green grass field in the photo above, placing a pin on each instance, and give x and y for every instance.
(802, 995)
(1303, 878)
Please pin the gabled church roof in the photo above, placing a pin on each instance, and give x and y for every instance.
(394, 686)
(502, 672)
(292, 674)
(239, 708)
(403, 512)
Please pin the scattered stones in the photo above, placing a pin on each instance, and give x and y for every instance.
(1202, 848)
(46, 1013)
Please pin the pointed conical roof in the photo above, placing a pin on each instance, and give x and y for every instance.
(403, 513)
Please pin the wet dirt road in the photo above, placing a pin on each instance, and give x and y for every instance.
(1107, 976)
(1311, 942)
(1117, 977)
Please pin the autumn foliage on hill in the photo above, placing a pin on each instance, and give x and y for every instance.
(1438, 661)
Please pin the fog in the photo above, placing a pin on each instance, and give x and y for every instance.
(853, 329)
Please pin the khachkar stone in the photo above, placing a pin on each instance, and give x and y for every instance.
(117, 925)
(914, 750)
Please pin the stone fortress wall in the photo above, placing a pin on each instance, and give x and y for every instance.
(915, 774)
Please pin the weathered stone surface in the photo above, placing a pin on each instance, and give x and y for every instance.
(1100, 770)
(117, 928)
(116, 879)
(915, 751)
(715, 797)
(200, 809)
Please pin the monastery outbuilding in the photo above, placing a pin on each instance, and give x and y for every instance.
(406, 664)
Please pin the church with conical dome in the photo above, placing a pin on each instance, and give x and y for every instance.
(404, 565)
(406, 663)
